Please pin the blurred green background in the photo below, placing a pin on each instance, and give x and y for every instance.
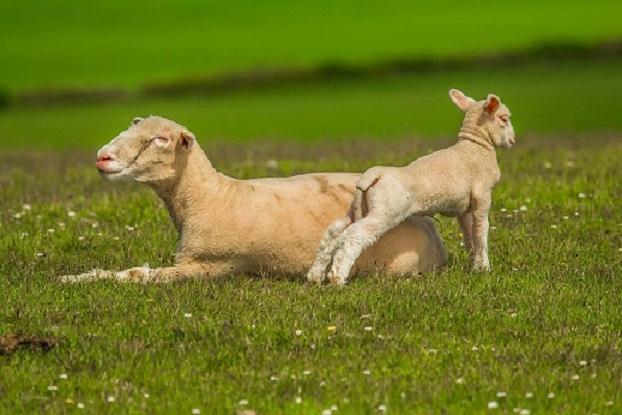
(120, 49)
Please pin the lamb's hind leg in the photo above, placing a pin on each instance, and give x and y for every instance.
(354, 240)
(327, 246)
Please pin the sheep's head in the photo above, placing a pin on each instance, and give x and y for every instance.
(151, 150)
(489, 116)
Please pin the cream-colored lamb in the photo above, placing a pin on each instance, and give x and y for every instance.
(456, 181)
(228, 226)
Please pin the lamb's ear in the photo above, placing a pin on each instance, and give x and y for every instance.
(136, 120)
(492, 103)
(462, 101)
(186, 139)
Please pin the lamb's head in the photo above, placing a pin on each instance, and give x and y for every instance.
(151, 150)
(489, 116)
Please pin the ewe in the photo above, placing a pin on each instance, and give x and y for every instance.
(456, 181)
(228, 226)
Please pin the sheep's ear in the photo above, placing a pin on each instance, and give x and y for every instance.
(187, 139)
(462, 101)
(492, 103)
(136, 120)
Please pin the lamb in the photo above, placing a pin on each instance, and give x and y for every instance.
(456, 181)
(228, 226)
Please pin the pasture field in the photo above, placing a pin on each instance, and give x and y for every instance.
(541, 333)
(563, 98)
(119, 43)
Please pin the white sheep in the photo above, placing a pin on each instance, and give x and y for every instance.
(456, 181)
(228, 226)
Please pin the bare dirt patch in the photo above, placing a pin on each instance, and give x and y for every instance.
(9, 343)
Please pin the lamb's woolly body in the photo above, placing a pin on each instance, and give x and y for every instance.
(456, 181)
(229, 226)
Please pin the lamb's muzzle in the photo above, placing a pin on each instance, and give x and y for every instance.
(456, 181)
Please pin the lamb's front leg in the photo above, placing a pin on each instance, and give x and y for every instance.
(353, 241)
(480, 235)
(326, 249)
(466, 227)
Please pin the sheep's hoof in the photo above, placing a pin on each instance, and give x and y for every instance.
(336, 279)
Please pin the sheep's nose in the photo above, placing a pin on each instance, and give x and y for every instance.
(102, 160)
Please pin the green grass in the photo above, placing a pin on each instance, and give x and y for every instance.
(551, 302)
(118, 43)
(569, 98)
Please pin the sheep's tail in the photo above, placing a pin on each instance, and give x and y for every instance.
(359, 204)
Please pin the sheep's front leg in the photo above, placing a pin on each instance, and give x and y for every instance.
(466, 227)
(146, 274)
(325, 251)
(480, 235)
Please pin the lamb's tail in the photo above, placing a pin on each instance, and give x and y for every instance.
(359, 203)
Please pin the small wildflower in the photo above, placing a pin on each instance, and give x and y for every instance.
(272, 164)
(94, 225)
(493, 405)
(492, 228)
(71, 214)
(298, 400)
(582, 195)
(322, 384)
(63, 376)
(460, 381)
(243, 402)
(327, 412)
(188, 315)
(366, 372)
(551, 395)
(116, 238)
(196, 411)
(80, 238)
(565, 217)
(80, 405)
(274, 378)
(52, 388)
(146, 395)
(51, 230)
(382, 408)
(306, 372)
(368, 328)
(333, 407)
(504, 210)
(528, 200)
(575, 377)
(474, 348)
(298, 332)
(583, 363)
(331, 328)
(529, 395)
(111, 399)
(513, 315)
(62, 224)
(501, 394)
(553, 226)
(525, 412)
(523, 208)
(609, 403)
(576, 213)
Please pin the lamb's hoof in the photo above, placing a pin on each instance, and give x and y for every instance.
(481, 267)
(315, 277)
(336, 279)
